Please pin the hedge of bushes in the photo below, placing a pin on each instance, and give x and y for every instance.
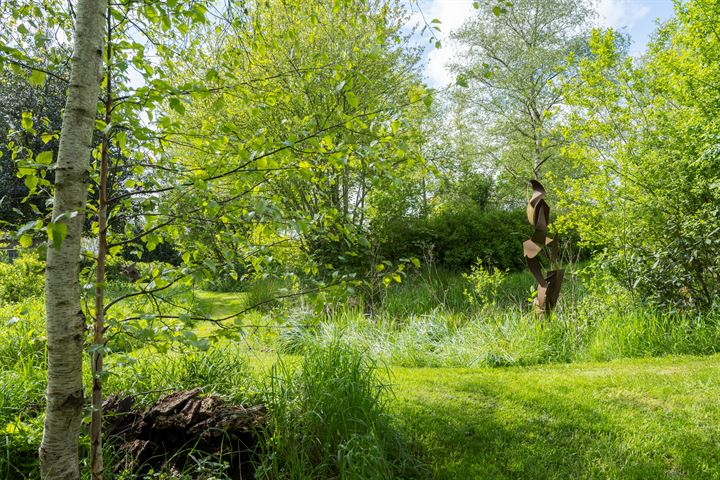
(457, 238)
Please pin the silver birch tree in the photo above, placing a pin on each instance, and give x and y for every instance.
(65, 320)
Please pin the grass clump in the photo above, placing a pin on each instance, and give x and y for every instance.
(222, 370)
(505, 338)
(329, 419)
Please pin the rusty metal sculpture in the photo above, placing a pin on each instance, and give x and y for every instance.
(538, 213)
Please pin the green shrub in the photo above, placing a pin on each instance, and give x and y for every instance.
(22, 279)
(485, 284)
(494, 236)
(404, 238)
(455, 237)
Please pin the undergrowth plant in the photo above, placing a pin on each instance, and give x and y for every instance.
(485, 284)
(23, 279)
(22, 386)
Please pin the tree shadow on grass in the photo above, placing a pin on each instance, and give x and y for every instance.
(494, 429)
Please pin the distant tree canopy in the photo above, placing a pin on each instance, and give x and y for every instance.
(511, 69)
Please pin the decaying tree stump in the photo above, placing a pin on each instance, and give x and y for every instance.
(161, 436)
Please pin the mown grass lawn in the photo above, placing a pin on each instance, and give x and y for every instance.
(626, 419)
(220, 304)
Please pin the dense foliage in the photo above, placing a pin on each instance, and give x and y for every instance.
(644, 136)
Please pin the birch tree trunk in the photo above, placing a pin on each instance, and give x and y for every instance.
(65, 321)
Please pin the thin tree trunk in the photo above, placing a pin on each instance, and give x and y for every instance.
(65, 322)
(96, 458)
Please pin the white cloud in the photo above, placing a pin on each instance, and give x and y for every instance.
(621, 13)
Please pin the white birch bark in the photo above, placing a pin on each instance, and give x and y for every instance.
(65, 321)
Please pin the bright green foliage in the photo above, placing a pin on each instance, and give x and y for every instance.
(307, 126)
(644, 138)
(22, 386)
(21, 280)
(510, 70)
(274, 146)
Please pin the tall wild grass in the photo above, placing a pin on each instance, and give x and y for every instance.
(330, 419)
(596, 319)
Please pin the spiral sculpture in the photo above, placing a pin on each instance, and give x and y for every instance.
(538, 213)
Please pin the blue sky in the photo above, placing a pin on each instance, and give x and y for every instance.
(636, 17)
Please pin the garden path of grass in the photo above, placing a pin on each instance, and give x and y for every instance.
(626, 419)
(652, 418)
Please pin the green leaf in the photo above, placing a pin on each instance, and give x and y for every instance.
(32, 224)
(57, 233)
(44, 158)
(497, 11)
(121, 139)
(27, 121)
(37, 78)
(462, 81)
(25, 241)
(165, 23)
(177, 105)
(352, 99)
(212, 75)
(31, 182)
